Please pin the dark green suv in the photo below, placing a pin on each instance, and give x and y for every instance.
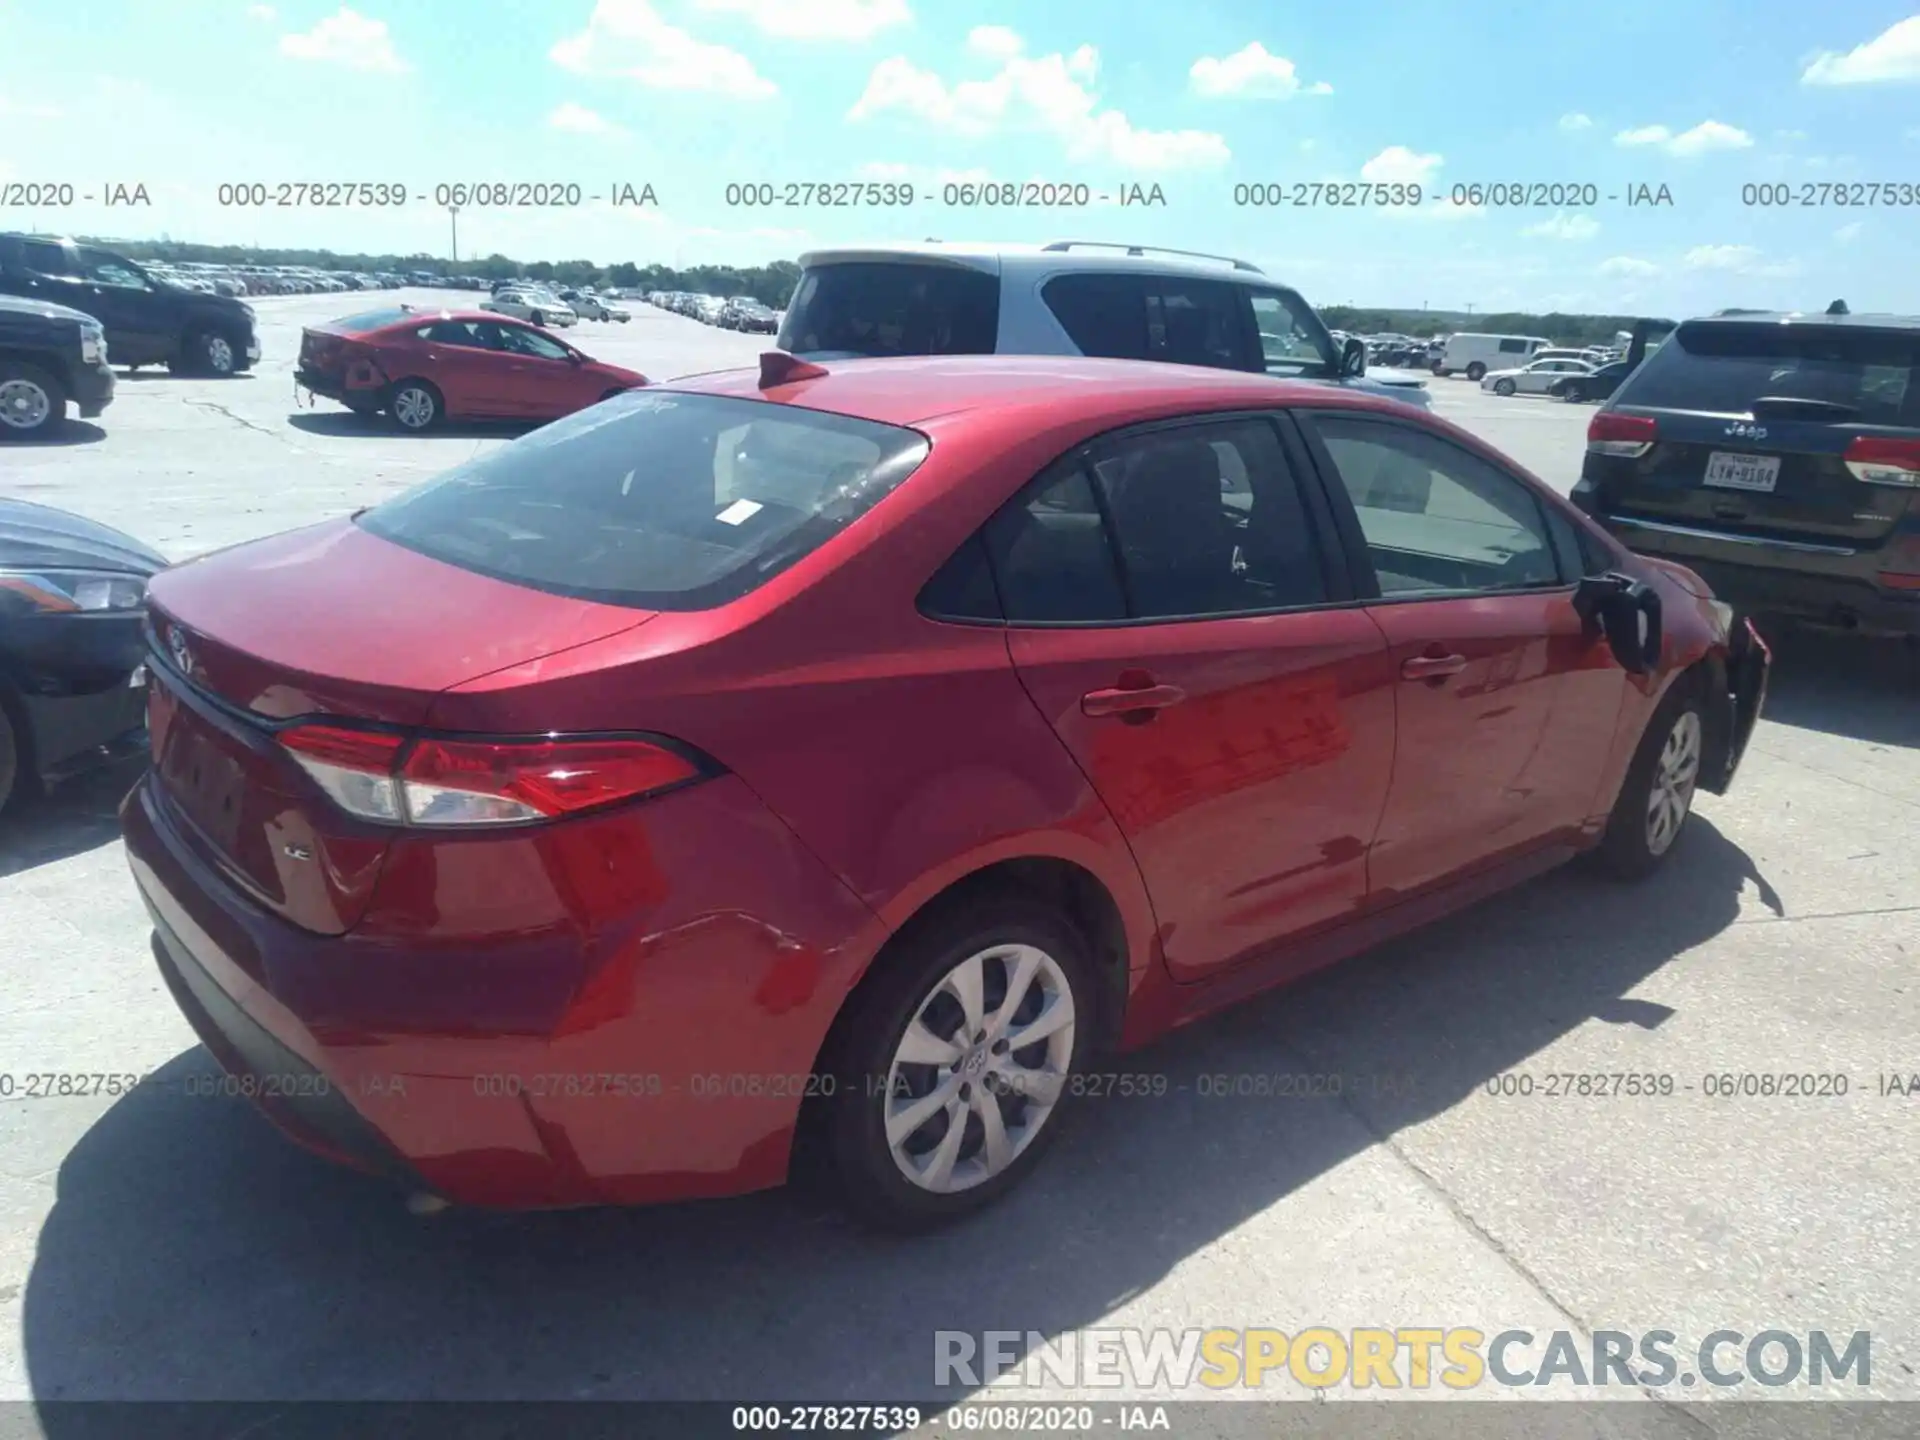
(1778, 456)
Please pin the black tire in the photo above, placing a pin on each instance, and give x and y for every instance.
(1438, 369)
(429, 404)
(538, 317)
(863, 1170)
(33, 402)
(1504, 387)
(1573, 392)
(209, 353)
(1629, 851)
(1476, 372)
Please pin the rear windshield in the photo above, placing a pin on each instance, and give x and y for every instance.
(655, 499)
(890, 308)
(373, 319)
(1723, 368)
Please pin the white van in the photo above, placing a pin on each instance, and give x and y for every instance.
(1475, 355)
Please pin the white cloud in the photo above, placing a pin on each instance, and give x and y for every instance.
(22, 110)
(885, 170)
(1789, 137)
(579, 120)
(995, 42)
(1848, 233)
(1048, 93)
(347, 38)
(1893, 54)
(1737, 260)
(1707, 135)
(818, 19)
(1252, 72)
(1721, 257)
(1565, 225)
(629, 40)
(262, 12)
(1398, 165)
(1625, 266)
(1574, 120)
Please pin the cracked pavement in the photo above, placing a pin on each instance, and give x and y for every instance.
(166, 1246)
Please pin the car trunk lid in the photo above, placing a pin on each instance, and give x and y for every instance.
(324, 622)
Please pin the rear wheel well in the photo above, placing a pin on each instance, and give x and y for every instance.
(1072, 890)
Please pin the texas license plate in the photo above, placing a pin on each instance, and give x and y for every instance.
(1742, 472)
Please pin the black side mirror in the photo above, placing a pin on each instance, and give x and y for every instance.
(1627, 612)
(1353, 357)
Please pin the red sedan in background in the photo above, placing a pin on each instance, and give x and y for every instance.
(854, 755)
(421, 366)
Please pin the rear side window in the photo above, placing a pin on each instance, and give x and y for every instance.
(889, 308)
(1722, 368)
(1152, 317)
(1514, 347)
(43, 258)
(658, 500)
(1052, 557)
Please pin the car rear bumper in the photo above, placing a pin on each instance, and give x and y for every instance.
(1826, 584)
(660, 1053)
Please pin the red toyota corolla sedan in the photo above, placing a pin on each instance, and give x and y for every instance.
(851, 755)
(421, 366)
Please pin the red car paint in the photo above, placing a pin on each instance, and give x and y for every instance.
(627, 1005)
(359, 365)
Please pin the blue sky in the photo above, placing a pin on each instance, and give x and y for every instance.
(1703, 96)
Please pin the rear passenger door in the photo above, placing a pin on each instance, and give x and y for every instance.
(1177, 612)
(1173, 318)
(1506, 704)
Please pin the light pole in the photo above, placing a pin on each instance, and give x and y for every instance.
(453, 219)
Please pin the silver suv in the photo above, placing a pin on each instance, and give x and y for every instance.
(1070, 297)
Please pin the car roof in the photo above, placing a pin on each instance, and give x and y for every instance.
(1014, 261)
(1797, 319)
(911, 391)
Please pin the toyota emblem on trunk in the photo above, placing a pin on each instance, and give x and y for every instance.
(182, 656)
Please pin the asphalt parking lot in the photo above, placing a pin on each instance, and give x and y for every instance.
(163, 1245)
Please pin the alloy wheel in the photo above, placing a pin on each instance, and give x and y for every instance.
(413, 408)
(23, 404)
(980, 1068)
(219, 353)
(1674, 777)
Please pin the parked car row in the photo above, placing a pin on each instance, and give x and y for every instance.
(738, 312)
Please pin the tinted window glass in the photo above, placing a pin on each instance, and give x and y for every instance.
(1513, 347)
(1051, 555)
(656, 499)
(880, 308)
(469, 333)
(1103, 315)
(43, 258)
(1723, 368)
(1196, 322)
(105, 268)
(1209, 521)
(1437, 518)
(962, 589)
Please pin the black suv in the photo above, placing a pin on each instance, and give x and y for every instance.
(49, 355)
(1778, 456)
(148, 322)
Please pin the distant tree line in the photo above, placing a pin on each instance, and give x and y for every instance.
(1565, 329)
(772, 284)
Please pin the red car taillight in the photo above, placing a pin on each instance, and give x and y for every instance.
(378, 775)
(1880, 461)
(1627, 435)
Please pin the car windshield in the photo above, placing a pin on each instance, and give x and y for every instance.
(1722, 368)
(659, 499)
